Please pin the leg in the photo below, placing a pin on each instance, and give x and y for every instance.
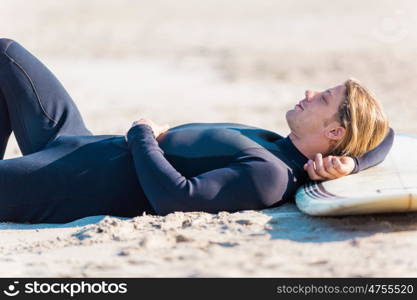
(39, 108)
(70, 180)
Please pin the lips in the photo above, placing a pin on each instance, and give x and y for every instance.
(300, 106)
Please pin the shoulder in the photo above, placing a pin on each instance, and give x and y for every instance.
(266, 174)
(260, 160)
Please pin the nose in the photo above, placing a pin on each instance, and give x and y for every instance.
(309, 95)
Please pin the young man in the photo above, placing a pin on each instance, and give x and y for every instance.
(67, 173)
(224, 166)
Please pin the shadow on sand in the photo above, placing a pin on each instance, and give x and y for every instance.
(289, 223)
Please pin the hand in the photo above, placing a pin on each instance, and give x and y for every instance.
(157, 129)
(329, 167)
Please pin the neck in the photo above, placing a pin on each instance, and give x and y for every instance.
(309, 145)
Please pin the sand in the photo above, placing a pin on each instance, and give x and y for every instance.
(194, 61)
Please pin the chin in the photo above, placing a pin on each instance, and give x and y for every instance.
(289, 115)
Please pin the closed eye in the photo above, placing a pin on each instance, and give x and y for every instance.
(324, 99)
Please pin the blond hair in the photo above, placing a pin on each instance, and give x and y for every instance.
(364, 120)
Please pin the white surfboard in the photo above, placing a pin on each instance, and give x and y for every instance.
(388, 187)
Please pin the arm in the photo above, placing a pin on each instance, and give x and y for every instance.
(374, 156)
(231, 188)
(332, 167)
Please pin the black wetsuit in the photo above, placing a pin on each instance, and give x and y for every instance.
(67, 173)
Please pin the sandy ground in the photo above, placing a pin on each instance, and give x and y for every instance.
(214, 61)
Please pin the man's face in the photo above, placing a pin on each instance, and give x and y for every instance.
(316, 111)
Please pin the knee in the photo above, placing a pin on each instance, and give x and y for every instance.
(4, 44)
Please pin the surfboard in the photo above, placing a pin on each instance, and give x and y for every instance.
(388, 187)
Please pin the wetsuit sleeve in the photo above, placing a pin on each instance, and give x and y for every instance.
(243, 184)
(374, 156)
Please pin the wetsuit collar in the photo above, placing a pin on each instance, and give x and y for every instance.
(287, 146)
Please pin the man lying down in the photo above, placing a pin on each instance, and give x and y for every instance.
(67, 173)
(223, 166)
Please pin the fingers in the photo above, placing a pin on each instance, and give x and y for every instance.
(143, 121)
(320, 168)
(311, 170)
(348, 164)
(331, 167)
(164, 128)
(326, 168)
(337, 166)
(156, 129)
(161, 129)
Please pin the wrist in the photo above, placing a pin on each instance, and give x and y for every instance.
(355, 165)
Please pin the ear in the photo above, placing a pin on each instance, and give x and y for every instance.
(335, 133)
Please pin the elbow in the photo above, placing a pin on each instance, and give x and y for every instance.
(162, 207)
(166, 204)
(163, 211)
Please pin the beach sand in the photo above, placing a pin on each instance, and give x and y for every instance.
(194, 61)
